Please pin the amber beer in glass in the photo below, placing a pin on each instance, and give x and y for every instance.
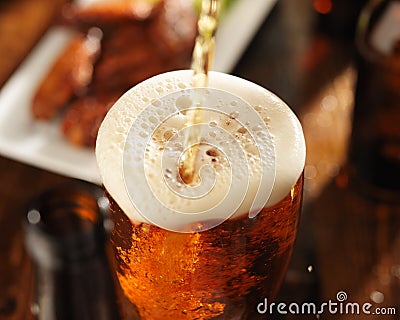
(224, 270)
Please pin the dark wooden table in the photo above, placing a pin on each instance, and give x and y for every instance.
(307, 60)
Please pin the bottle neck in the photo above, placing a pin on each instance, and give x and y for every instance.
(65, 236)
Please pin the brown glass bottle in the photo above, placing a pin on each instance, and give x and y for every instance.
(65, 235)
(374, 153)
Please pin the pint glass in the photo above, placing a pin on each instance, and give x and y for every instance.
(222, 266)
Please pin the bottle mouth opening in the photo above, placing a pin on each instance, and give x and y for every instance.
(375, 48)
(375, 56)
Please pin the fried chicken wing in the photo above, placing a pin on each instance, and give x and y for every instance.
(70, 74)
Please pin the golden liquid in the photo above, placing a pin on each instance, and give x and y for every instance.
(221, 273)
(201, 63)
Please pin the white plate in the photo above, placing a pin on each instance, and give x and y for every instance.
(41, 144)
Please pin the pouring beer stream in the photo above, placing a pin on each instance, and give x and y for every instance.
(202, 57)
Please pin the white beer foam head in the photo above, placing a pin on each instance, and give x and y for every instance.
(127, 131)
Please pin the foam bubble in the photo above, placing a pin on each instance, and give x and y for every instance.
(234, 114)
(226, 130)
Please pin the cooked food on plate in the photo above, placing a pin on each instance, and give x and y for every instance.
(115, 45)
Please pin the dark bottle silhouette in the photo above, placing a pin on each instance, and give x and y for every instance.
(374, 152)
(66, 229)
